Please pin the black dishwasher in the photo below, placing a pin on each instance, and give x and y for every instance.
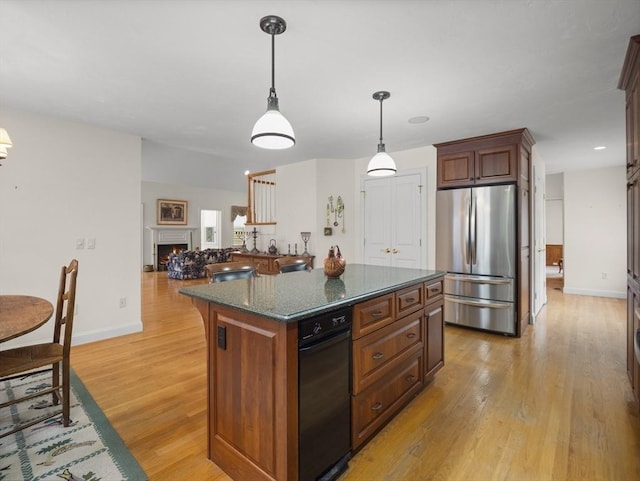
(324, 400)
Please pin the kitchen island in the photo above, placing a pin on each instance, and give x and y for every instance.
(251, 326)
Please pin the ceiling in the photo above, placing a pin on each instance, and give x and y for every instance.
(195, 74)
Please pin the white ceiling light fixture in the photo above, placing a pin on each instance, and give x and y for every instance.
(381, 164)
(273, 130)
(5, 143)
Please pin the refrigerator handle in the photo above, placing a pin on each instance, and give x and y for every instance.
(472, 230)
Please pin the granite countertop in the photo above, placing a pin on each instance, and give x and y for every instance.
(298, 295)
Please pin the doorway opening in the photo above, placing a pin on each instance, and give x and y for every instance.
(210, 223)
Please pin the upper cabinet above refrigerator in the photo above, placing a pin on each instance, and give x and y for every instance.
(486, 160)
(497, 159)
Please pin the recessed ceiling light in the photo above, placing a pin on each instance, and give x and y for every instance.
(420, 119)
(600, 147)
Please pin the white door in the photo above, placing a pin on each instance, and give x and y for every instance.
(539, 243)
(393, 209)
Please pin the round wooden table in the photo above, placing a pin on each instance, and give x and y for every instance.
(22, 314)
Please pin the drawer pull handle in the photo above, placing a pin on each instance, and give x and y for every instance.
(434, 289)
(377, 356)
(411, 378)
(376, 313)
(411, 335)
(410, 300)
(377, 406)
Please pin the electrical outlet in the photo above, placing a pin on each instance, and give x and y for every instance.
(604, 275)
(79, 243)
(91, 243)
(123, 302)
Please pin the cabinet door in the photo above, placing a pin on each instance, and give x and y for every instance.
(434, 340)
(456, 170)
(633, 128)
(496, 164)
(252, 406)
(633, 229)
(393, 221)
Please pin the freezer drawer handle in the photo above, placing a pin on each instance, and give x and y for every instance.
(377, 356)
(490, 305)
(480, 281)
(377, 406)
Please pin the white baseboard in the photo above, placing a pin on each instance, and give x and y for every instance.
(594, 293)
(101, 334)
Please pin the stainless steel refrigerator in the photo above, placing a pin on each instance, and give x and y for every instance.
(476, 246)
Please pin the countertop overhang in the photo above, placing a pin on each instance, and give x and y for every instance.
(298, 295)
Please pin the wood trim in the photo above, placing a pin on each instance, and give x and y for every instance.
(630, 65)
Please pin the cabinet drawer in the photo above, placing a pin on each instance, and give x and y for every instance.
(433, 289)
(371, 315)
(376, 405)
(409, 300)
(380, 352)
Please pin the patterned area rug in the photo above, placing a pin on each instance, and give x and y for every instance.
(88, 450)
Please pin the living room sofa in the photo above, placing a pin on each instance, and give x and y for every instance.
(190, 264)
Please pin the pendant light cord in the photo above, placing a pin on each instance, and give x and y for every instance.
(273, 62)
(381, 121)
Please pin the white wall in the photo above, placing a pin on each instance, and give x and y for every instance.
(595, 232)
(199, 199)
(64, 181)
(295, 210)
(303, 190)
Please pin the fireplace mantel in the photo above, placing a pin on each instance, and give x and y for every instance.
(169, 234)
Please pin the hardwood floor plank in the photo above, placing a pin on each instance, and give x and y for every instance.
(553, 405)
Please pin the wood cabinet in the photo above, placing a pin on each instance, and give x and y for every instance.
(265, 263)
(243, 425)
(501, 158)
(253, 370)
(489, 161)
(630, 83)
(394, 338)
(433, 329)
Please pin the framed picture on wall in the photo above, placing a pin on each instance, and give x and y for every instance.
(172, 212)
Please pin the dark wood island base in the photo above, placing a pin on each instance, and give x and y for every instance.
(251, 326)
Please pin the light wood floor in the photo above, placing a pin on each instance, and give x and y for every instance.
(554, 405)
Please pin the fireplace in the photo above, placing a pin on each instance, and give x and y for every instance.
(163, 252)
(165, 240)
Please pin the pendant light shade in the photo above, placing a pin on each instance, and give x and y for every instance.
(381, 164)
(273, 130)
(5, 143)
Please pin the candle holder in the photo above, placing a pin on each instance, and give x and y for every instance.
(245, 238)
(254, 233)
(305, 238)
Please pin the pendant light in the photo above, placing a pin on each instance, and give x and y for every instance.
(381, 164)
(273, 130)
(5, 143)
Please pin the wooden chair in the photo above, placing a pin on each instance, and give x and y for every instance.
(292, 263)
(229, 271)
(14, 362)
